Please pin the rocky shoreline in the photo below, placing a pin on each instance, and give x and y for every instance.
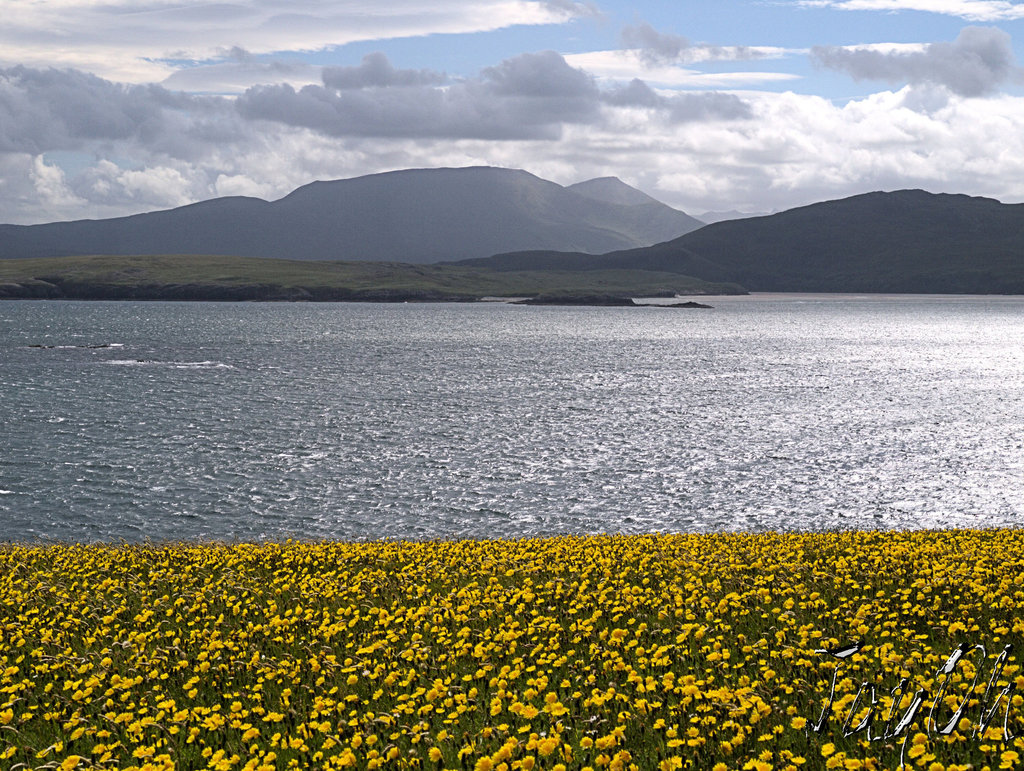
(53, 288)
(57, 289)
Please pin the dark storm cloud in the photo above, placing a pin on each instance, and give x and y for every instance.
(377, 72)
(975, 64)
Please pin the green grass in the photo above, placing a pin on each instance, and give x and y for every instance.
(94, 275)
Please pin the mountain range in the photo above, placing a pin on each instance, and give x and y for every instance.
(509, 220)
(903, 241)
(411, 216)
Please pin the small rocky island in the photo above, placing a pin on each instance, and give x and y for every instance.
(603, 301)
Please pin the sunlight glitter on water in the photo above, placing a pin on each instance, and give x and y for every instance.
(418, 421)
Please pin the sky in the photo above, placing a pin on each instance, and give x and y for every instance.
(114, 107)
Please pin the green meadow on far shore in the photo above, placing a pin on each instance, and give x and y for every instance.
(184, 277)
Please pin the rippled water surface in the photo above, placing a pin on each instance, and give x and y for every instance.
(247, 421)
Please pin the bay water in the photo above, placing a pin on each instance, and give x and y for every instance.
(158, 421)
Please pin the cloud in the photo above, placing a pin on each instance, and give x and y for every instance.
(530, 96)
(51, 186)
(971, 10)
(143, 40)
(976, 63)
(796, 149)
(463, 111)
(636, 93)
(474, 109)
(240, 70)
(626, 65)
(544, 75)
(656, 48)
(377, 72)
(155, 187)
(708, 106)
(45, 110)
(574, 9)
(526, 97)
(74, 145)
(680, 107)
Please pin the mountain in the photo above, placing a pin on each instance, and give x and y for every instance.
(612, 190)
(415, 216)
(904, 241)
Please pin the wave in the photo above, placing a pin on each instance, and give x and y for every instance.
(173, 364)
(59, 347)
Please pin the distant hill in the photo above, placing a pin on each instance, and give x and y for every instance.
(905, 241)
(412, 216)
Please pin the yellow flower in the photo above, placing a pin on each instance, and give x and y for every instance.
(547, 746)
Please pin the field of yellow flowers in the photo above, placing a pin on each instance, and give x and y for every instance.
(603, 653)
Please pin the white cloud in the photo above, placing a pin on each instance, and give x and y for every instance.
(800, 149)
(241, 184)
(239, 71)
(155, 186)
(131, 40)
(626, 64)
(970, 10)
(139, 148)
(51, 188)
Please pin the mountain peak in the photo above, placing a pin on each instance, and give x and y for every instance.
(410, 215)
(612, 190)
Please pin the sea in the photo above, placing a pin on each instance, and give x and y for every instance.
(151, 421)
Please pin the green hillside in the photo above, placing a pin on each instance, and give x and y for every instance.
(191, 277)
